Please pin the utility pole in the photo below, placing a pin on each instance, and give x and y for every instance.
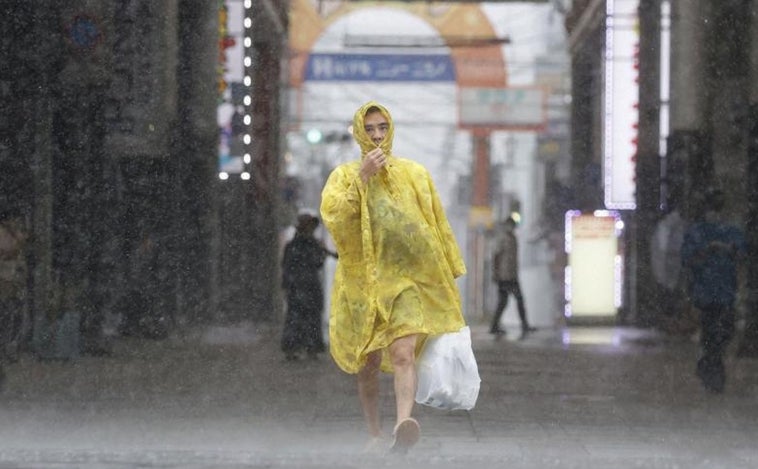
(480, 217)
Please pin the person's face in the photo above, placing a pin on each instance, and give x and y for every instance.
(376, 126)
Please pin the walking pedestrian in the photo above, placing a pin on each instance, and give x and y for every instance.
(505, 273)
(303, 258)
(395, 280)
(711, 253)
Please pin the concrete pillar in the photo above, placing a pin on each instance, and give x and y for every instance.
(729, 67)
(195, 161)
(41, 246)
(143, 92)
(139, 48)
(586, 121)
(648, 163)
(685, 159)
(687, 64)
(728, 58)
(81, 214)
(748, 344)
(268, 81)
(36, 134)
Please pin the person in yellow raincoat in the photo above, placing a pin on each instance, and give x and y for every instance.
(395, 280)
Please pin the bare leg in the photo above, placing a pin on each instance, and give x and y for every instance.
(368, 391)
(402, 355)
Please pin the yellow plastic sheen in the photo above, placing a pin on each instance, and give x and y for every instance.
(398, 257)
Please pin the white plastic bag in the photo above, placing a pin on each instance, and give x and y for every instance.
(448, 377)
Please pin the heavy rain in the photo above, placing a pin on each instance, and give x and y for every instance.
(573, 180)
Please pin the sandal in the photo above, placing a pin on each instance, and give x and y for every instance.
(405, 435)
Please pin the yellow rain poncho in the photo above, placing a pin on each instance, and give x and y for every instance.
(398, 257)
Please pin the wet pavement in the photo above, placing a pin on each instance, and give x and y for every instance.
(225, 398)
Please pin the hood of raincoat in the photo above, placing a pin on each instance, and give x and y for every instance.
(359, 132)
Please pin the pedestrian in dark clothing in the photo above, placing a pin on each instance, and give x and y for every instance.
(505, 274)
(303, 259)
(711, 252)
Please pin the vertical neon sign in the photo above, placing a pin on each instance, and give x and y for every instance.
(621, 113)
(234, 83)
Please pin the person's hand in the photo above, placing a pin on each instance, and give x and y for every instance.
(372, 163)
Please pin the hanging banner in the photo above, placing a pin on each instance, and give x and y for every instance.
(379, 67)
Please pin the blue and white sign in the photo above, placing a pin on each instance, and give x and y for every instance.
(380, 67)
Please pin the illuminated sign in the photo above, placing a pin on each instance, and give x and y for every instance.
(594, 274)
(233, 84)
(621, 113)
